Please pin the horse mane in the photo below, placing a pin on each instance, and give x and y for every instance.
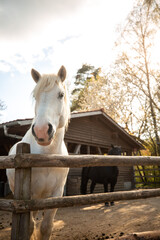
(45, 84)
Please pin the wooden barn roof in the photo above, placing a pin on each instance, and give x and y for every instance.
(14, 130)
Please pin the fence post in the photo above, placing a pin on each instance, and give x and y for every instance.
(22, 191)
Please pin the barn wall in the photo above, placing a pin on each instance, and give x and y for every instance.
(94, 131)
(124, 182)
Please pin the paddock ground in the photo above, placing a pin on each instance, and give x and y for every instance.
(98, 222)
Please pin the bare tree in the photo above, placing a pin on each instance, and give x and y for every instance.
(134, 66)
(95, 90)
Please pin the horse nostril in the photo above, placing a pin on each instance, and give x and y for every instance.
(33, 132)
(42, 133)
(50, 130)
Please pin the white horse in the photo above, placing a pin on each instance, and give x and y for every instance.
(46, 136)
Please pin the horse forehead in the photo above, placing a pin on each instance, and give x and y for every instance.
(47, 83)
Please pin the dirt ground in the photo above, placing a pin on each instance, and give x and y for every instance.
(99, 222)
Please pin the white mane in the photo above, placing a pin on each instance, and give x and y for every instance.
(46, 83)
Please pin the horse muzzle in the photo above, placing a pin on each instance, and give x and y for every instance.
(43, 134)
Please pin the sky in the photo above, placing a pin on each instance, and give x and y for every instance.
(45, 34)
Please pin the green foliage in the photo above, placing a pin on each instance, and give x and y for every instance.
(147, 176)
(151, 145)
(83, 78)
(83, 74)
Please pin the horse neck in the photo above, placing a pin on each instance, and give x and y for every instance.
(58, 140)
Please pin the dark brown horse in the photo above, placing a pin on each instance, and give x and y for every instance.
(101, 175)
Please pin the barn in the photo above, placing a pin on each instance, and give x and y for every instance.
(89, 132)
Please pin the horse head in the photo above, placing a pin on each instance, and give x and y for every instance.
(51, 108)
(115, 150)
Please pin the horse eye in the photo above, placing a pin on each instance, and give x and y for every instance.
(60, 95)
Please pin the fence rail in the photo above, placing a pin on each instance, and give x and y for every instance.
(22, 206)
(74, 161)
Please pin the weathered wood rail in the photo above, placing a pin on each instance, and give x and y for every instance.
(74, 161)
(22, 203)
(22, 206)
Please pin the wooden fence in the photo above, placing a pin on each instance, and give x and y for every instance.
(22, 203)
(147, 176)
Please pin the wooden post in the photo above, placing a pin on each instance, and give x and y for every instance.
(77, 149)
(22, 190)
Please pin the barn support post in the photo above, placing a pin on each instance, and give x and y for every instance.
(22, 191)
(77, 149)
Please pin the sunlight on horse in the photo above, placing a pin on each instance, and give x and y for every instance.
(46, 136)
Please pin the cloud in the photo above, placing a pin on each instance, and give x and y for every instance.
(4, 66)
(28, 28)
(69, 32)
(20, 18)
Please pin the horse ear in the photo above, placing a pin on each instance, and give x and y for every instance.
(35, 75)
(62, 73)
